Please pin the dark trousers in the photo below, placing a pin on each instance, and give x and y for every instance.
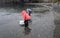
(26, 23)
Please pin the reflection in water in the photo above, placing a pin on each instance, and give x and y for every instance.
(27, 31)
(57, 28)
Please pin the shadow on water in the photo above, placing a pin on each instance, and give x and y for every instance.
(22, 25)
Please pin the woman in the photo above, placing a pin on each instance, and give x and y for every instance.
(26, 18)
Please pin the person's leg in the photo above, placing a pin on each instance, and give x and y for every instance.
(26, 24)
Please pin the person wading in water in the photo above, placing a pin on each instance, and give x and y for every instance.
(27, 18)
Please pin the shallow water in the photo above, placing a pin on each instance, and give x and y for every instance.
(42, 25)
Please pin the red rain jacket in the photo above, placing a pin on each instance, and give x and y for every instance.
(25, 15)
